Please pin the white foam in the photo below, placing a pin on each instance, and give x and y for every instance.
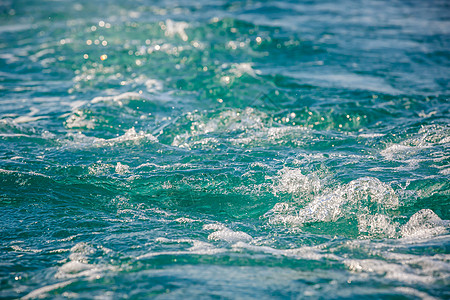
(367, 199)
(428, 137)
(352, 198)
(240, 69)
(152, 85)
(423, 224)
(213, 226)
(445, 171)
(198, 248)
(377, 225)
(233, 120)
(132, 135)
(122, 168)
(78, 264)
(173, 28)
(79, 139)
(413, 292)
(346, 80)
(371, 135)
(14, 135)
(397, 151)
(9, 57)
(35, 57)
(78, 119)
(41, 292)
(305, 252)
(432, 134)
(118, 98)
(76, 104)
(291, 180)
(185, 220)
(20, 249)
(32, 173)
(27, 119)
(389, 270)
(223, 233)
(229, 236)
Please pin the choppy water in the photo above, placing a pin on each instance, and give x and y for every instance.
(216, 149)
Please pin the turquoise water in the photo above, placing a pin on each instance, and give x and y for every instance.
(214, 149)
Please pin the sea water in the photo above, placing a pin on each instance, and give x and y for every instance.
(224, 149)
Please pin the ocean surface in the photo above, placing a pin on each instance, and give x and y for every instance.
(225, 149)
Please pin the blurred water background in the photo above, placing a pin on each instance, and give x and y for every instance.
(224, 149)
